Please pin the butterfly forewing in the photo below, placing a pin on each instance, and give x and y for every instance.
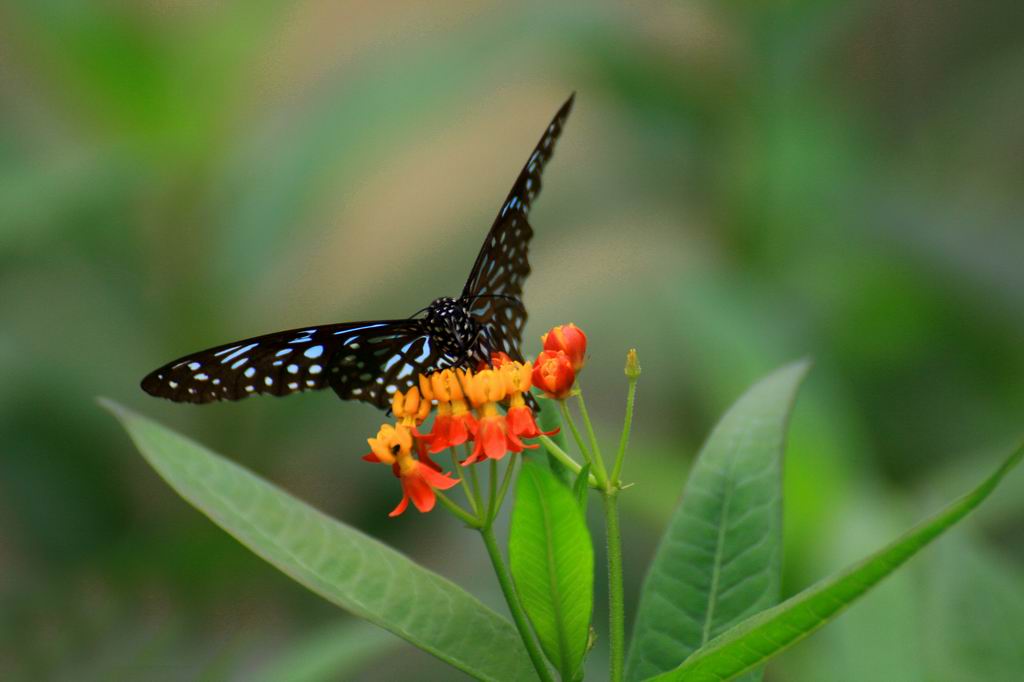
(493, 292)
(369, 361)
(287, 362)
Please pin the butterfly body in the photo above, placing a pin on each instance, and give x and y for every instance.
(453, 329)
(370, 360)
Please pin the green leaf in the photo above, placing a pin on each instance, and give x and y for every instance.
(720, 558)
(552, 562)
(770, 632)
(581, 488)
(336, 561)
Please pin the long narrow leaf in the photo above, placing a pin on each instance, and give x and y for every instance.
(770, 632)
(720, 558)
(338, 562)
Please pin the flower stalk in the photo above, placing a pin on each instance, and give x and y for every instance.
(469, 519)
(514, 605)
(633, 375)
(584, 450)
(597, 461)
(616, 598)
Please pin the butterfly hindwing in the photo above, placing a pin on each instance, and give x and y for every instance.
(386, 363)
(493, 292)
(287, 362)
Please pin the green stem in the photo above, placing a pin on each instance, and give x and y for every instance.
(467, 518)
(563, 457)
(518, 615)
(492, 491)
(598, 462)
(567, 418)
(616, 601)
(504, 487)
(475, 484)
(627, 425)
(465, 483)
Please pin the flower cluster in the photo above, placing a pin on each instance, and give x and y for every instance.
(487, 408)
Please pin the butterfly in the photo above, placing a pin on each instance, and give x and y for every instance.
(370, 360)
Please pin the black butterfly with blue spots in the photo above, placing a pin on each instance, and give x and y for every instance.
(371, 360)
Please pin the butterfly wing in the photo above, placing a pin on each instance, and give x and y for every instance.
(493, 292)
(365, 361)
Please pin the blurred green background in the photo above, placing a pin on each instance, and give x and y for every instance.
(740, 184)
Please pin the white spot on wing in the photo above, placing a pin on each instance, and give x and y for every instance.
(243, 349)
(426, 351)
(314, 352)
(357, 329)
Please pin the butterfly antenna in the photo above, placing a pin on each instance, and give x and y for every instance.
(417, 313)
(505, 296)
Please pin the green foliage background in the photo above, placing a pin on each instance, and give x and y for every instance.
(740, 184)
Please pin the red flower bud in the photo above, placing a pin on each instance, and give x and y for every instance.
(553, 374)
(569, 339)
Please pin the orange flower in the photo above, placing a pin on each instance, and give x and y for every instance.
(522, 424)
(520, 417)
(516, 376)
(553, 374)
(569, 339)
(419, 478)
(454, 423)
(484, 387)
(409, 408)
(393, 445)
(445, 386)
(492, 438)
(390, 444)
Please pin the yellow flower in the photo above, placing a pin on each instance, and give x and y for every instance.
(484, 388)
(454, 423)
(391, 444)
(446, 386)
(409, 408)
(517, 379)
